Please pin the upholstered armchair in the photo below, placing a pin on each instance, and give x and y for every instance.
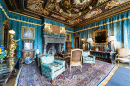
(87, 58)
(76, 58)
(123, 55)
(50, 67)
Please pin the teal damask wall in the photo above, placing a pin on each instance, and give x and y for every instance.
(118, 26)
(16, 21)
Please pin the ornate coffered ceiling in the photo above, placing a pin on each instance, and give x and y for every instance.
(73, 13)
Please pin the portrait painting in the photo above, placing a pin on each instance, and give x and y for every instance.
(67, 37)
(28, 32)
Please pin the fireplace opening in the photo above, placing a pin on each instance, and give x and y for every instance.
(53, 48)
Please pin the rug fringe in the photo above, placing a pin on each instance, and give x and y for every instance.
(16, 81)
(106, 80)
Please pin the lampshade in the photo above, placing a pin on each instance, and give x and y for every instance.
(37, 51)
(89, 40)
(11, 32)
(82, 39)
(110, 38)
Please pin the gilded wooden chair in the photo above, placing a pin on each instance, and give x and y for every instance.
(123, 55)
(76, 58)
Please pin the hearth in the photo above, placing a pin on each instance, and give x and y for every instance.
(52, 44)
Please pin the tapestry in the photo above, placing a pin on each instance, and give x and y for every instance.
(91, 75)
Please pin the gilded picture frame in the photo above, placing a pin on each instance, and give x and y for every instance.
(98, 31)
(27, 32)
(67, 37)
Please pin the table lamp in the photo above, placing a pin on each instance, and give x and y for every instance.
(83, 44)
(89, 40)
(109, 39)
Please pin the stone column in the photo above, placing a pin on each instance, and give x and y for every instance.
(45, 46)
(59, 48)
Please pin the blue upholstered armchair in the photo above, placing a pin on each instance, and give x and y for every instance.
(50, 67)
(87, 58)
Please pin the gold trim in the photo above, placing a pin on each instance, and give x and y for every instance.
(118, 12)
(100, 30)
(104, 82)
(17, 19)
(24, 15)
(104, 24)
(69, 37)
(69, 31)
(77, 36)
(22, 32)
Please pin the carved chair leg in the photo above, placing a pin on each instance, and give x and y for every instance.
(115, 61)
(70, 69)
(81, 68)
(51, 81)
(64, 72)
(118, 63)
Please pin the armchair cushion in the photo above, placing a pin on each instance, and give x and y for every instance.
(123, 55)
(50, 67)
(123, 52)
(87, 58)
(46, 59)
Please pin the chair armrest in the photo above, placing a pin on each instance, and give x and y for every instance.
(92, 56)
(117, 56)
(60, 62)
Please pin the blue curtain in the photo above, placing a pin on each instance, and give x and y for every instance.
(118, 26)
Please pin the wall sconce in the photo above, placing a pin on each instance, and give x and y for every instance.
(83, 43)
(89, 40)
(47, 29)
(62, 31)
(110, 39)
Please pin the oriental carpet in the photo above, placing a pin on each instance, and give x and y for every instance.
(91, 75)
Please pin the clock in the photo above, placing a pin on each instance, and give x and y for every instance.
(56, 29)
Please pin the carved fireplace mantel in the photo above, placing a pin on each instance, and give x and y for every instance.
(52, 39)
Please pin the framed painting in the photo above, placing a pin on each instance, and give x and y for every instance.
(67, 37)
(28, 32)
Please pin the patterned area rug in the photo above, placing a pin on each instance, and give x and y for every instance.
(91, 75)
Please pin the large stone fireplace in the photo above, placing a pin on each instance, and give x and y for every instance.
(52, 44)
